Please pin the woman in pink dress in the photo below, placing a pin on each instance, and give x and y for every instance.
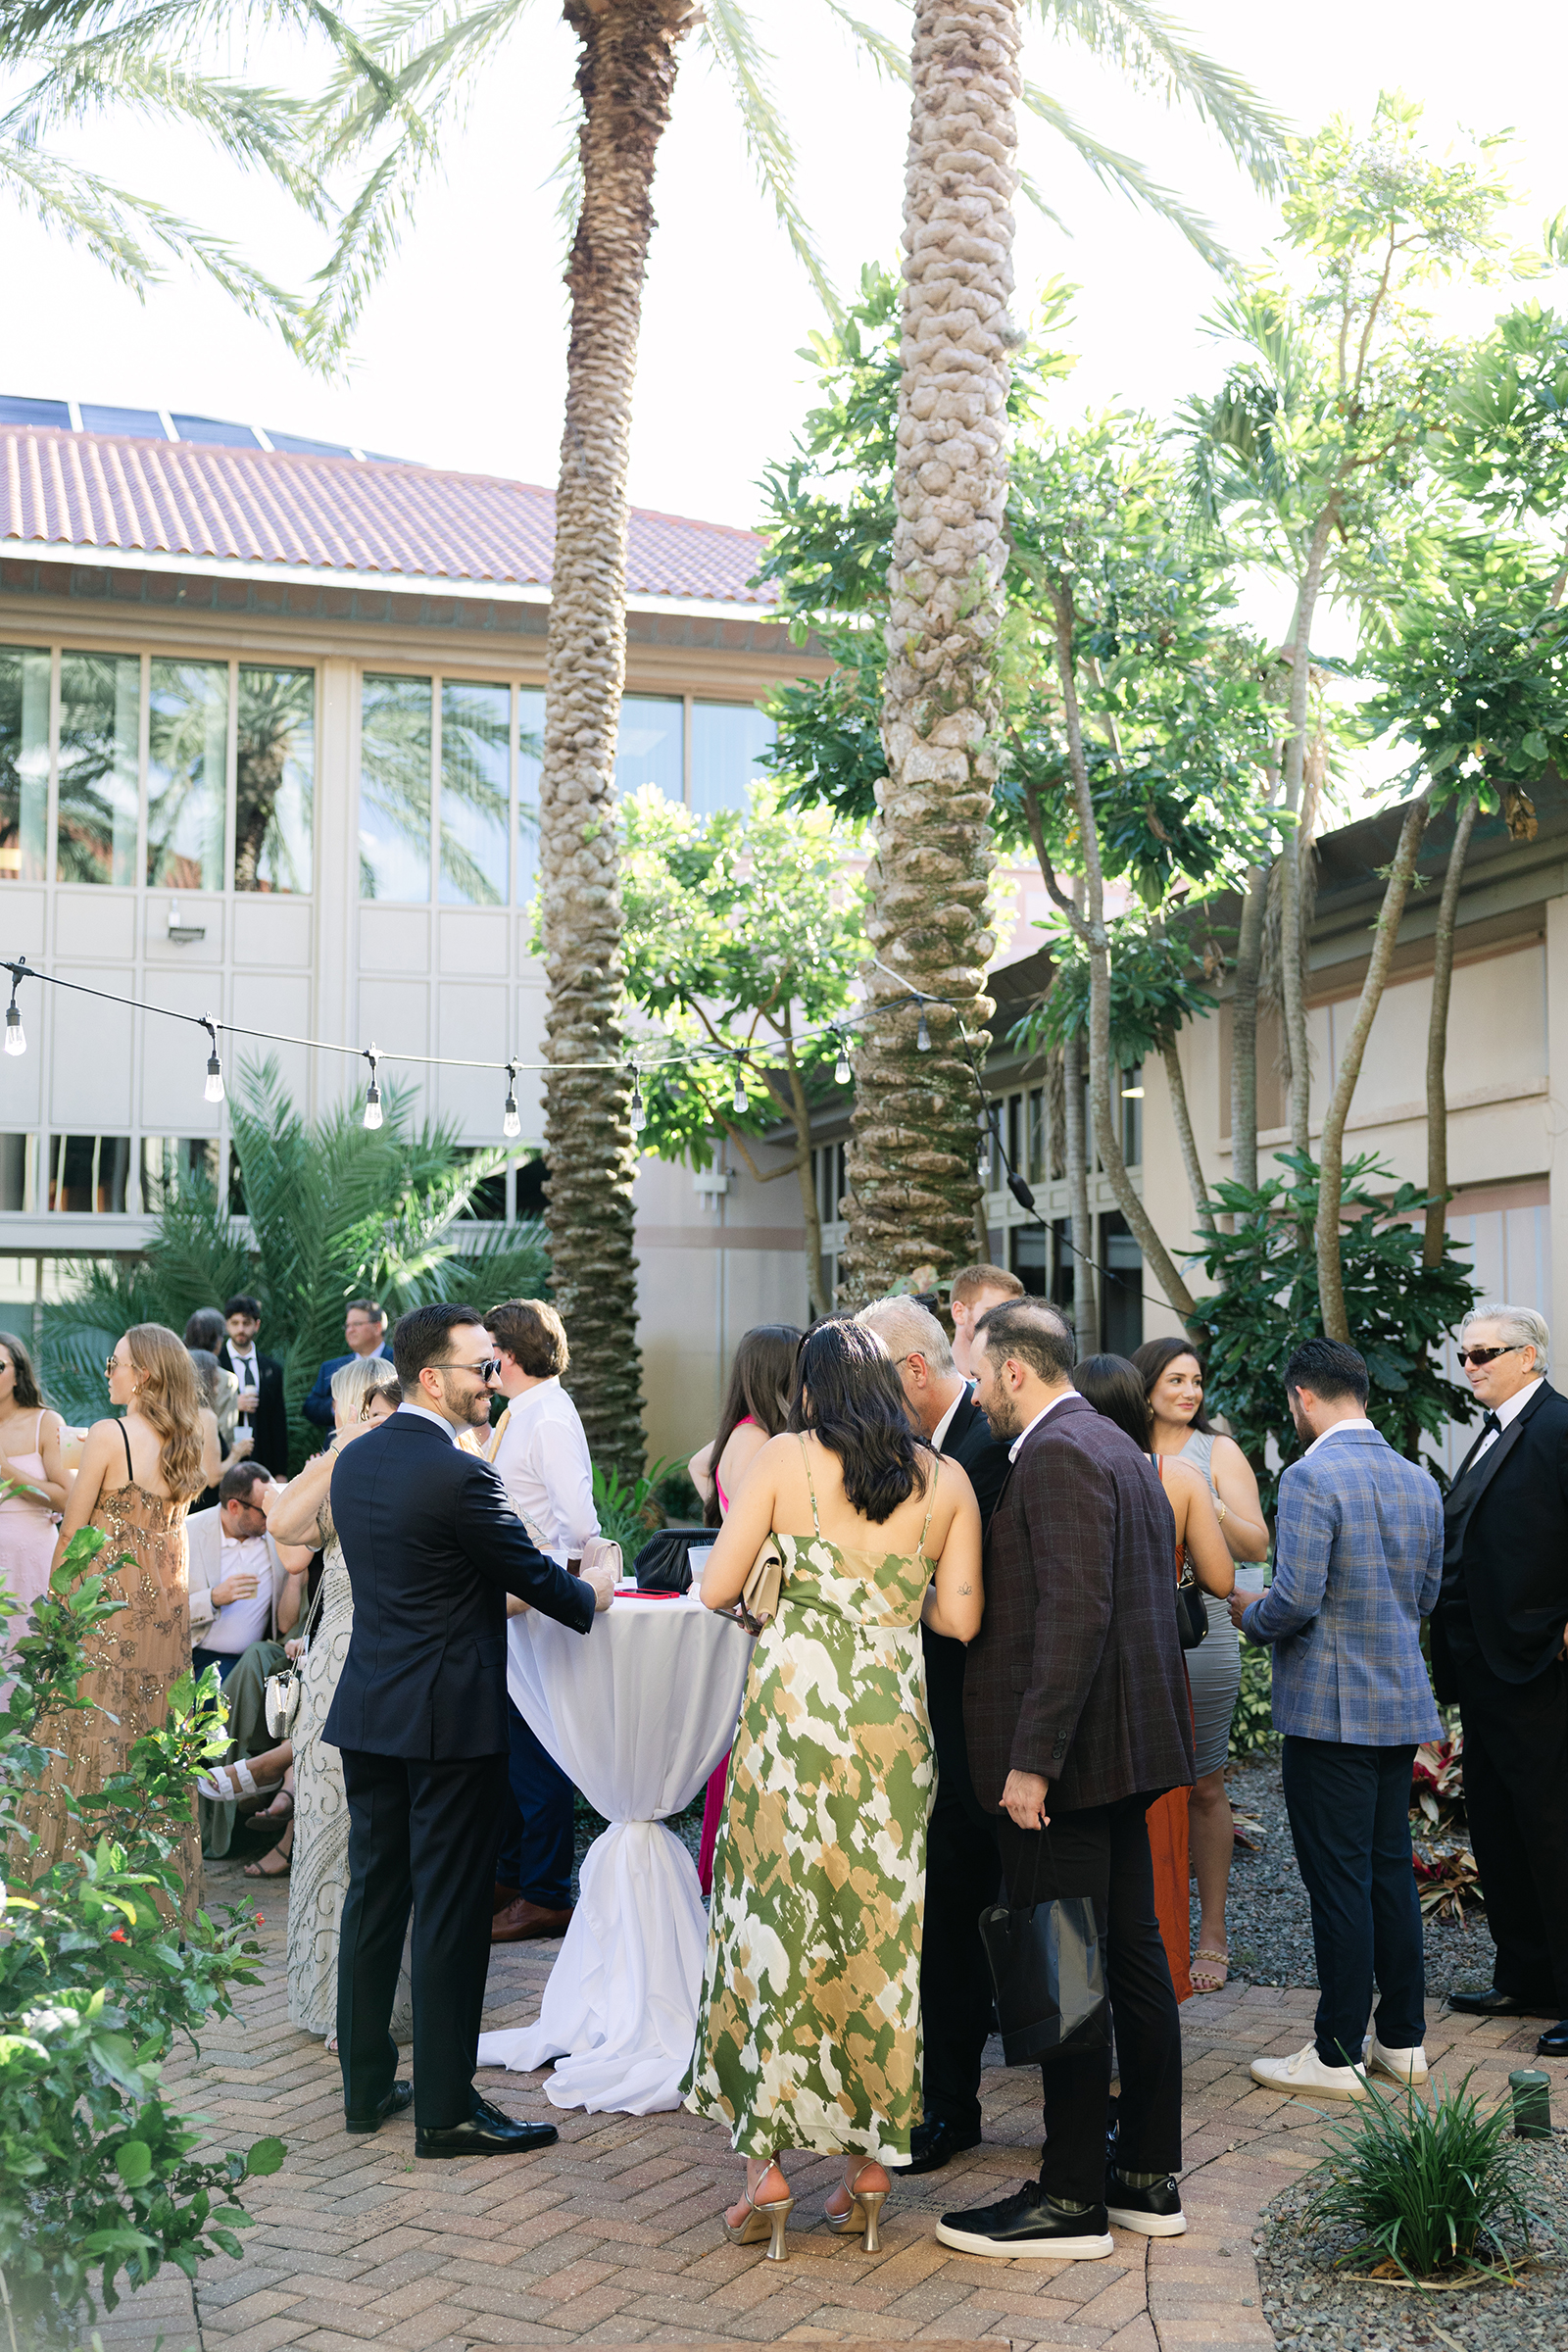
(756, 1408)
(34, 1478)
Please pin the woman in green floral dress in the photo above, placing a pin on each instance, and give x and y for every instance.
(808, 2027)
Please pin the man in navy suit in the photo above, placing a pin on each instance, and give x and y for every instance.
(364, 1330)
(433, 1547)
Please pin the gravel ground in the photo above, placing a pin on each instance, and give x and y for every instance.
(1307, 2305)
(1270, 1924)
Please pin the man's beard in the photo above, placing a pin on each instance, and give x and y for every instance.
(1003, 1415)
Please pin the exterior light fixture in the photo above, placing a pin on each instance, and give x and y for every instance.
(510, 1123)
(372, 1092)
(213, 1089)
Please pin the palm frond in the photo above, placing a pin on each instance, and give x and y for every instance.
(1155, 54)
(1117, 171)
(728, 34)
(889, 59)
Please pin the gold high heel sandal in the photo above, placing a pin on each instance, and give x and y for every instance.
(761, 2221)
(864, 2213)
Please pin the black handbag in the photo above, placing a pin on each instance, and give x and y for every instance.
(1192, 1611)
(1049, 1970)
(664, 1564)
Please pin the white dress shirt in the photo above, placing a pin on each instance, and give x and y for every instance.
(542, 1456)
(1012, 1450)
(247, 1373)
(1352, 1421)
(1505, 1414)
(239, 1623)
(435, 1420)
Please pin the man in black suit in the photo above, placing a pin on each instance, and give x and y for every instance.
(433, 1547)
(1499, 1639)
(262, 1413)
(962, 1870)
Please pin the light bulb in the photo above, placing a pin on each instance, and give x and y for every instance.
(511, 1124)
(841, 1068)
(15, 1042)
(922, 1036)
(213, 1089)
(639, 1108)
(372, 1105)
(740, 1093)
(983, 1162)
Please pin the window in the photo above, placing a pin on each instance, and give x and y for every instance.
(275, 789)
(1031, 1258)
(395, 790)
(87, 1173)
(23, 763)
(475, 793)
(530, 1187)
(1037, 1170)
(1131, 1085)
(100, 724)
(19, 1158)
(650, 746)
(188, 766)
(175, 1163)
(530, 760)
(487, 1204)
(726, 739)
(1121, 1286)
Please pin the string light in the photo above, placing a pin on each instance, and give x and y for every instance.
(213, 1089)
(983, 1161)
(15, 1039)
(739, 1104)
(639, 1108)
(372, 1092)
(510, 1123)
(922, 1036)
(841, 1068)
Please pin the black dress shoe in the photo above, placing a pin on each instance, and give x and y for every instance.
(931, 2145)
(1553, 2043)
(399, 2099)
(1485, 2000)
(1153, 2212)
(1028, 2224)
(487, 2133)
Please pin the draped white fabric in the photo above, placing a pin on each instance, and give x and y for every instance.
(638, 1712)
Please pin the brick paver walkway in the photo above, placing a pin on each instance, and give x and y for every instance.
(612, 2235)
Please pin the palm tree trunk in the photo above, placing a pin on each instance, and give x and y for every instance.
(1182, 1118)
(912, 1181)
(1331, 1150)
(1436, 1220)
(1294, 1003)
(625, 76)
(1085, 1296)
(1244, 1030)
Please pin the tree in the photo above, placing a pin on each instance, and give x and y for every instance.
(743, 938)
(1311, 457)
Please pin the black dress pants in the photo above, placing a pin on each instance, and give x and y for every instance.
(1102, 1851)
(1349, 1810)
(962, 1877)
(1516, 1803)
(422, 1835)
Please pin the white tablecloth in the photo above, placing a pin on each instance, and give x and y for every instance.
(638, 1712)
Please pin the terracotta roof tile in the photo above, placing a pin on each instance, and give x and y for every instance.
(332, 514)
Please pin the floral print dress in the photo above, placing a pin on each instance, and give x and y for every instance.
(809, 2026)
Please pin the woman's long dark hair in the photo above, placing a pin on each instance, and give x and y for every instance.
(847, 1394)
(25, 1386)
(1114, 1388)
(759, 1382)
(1150, 1361)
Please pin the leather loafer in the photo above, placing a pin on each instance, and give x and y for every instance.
(503, 1897)
(487, 2133)
(521, 1920)
(399, 2099)
(1553, 2043)
(932, 2145)
(1485, 2000)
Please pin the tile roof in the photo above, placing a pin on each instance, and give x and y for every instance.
(86, 490)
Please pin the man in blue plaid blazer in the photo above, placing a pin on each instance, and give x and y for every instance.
(1358, 1562)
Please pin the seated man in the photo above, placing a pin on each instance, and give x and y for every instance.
(246, 1593)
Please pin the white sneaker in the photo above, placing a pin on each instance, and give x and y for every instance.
(1304, 2073)
(1403, 2066)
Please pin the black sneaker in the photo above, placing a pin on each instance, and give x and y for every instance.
(1154, 2212)
(1028, 2225)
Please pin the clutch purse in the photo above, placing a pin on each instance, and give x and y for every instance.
(281, 1698)
(764, 1582)
(665, 1562)
(1192, 1611)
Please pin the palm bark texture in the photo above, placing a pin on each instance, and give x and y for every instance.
(913, 1188)
(625, 76)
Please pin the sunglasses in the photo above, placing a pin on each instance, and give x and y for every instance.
(113, 1366)
(488, 1369)
(1486, 1356)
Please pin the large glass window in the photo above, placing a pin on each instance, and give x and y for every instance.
(18, 1172)
(395, 789)
(650, 748)
(87, 1173)
(187, 766)
(100, 714)
(175, 1163)
(475, 793)
(275, 779)
(23, 763)
(530, 761)
(726, 741)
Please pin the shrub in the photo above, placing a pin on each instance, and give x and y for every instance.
(1423, 2186)
(98, 1973)
(1252, 1724)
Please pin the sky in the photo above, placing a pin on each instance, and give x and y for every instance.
(459, 360)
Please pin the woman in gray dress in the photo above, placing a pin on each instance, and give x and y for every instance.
(1173, 1383)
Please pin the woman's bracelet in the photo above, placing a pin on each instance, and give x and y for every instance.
(1219, 1509)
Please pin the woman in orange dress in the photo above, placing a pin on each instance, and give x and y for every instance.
(137, 1480)
(1114, 1388)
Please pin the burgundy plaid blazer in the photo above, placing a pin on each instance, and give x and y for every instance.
(1076, 1673)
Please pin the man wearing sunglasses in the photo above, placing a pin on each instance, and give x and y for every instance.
(433, 1547)
(1498, 1647)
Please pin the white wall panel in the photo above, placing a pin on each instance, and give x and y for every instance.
(95, 922)
(474, 941)
(173, 1057)
(394, 939)
(272, 931)
(472, 1022)
(278, 1001)
(93, 1057)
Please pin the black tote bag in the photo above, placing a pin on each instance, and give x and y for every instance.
(1049, 1970)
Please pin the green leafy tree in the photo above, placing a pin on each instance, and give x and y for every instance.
(102, 1968)
(743, 940)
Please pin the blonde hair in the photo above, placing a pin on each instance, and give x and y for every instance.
(354, 1384)
(170, 1403)
(970, 1281)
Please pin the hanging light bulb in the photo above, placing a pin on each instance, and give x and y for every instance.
(983, 1161)
(922, 1036)
(639, 1108)
(841, 1068)
(372, 1092)
(213, 1089)
(15, 1042)
(740, 1090)
(511, 1124)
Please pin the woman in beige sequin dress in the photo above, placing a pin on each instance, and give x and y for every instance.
(137, 1480)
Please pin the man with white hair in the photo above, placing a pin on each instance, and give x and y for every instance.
(962, 1872)
(1499, 1643)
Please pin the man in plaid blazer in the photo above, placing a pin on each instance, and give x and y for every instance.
(1358, 1564)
